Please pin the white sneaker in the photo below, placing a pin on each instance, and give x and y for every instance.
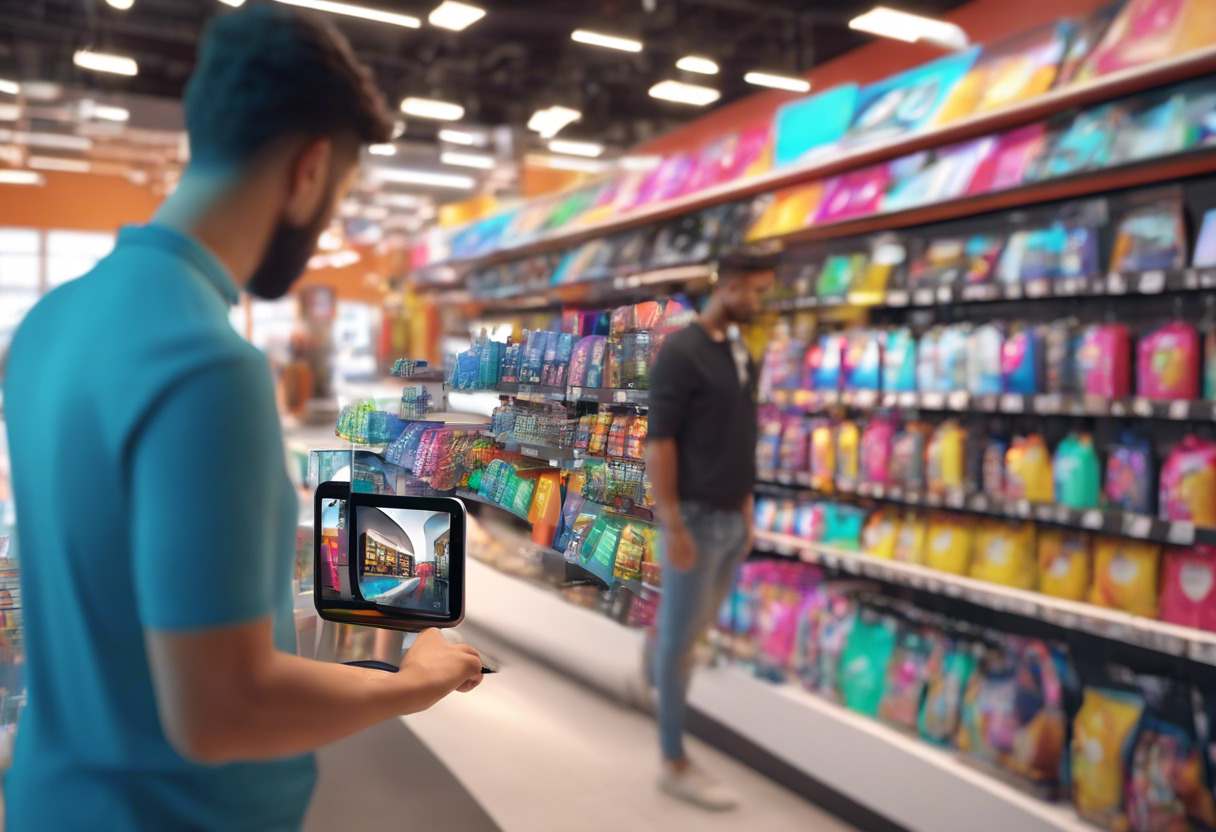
(694, 786)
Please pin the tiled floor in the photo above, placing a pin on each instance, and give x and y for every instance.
(540, 752)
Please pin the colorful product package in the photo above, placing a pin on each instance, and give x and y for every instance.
(635, 439)
(907, 675)
(910, 542)
(864, 662)
(1101, 739)
(984, 367)
(599, 434)
(1188, 587)
(839, 616)
(952, 357)
(1126, 575)
(928, 373)
(1060, 342)
(848, 460)
(580, 359)
(617, 434)
(944, 458)
(1167, 363)
(1005, 553)
(876, 444)
(1188, 483)
(863, 361)
(908, 456)
(1022, 361)
(994, 482)
(823, 457)
(828, 373)
(949, 543)
(795, 450)
(1078, 474)
(1131, 482)
(842, 526)
(1065, 563)
(1028, 474)
(881, 533)
(899, 362)
(948, 674)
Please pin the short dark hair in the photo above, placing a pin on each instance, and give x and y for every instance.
(266, 72)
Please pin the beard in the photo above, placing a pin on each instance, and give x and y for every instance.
(287, 255)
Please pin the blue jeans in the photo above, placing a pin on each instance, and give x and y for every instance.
(690, 601)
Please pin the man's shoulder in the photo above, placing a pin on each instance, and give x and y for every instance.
(685, 340)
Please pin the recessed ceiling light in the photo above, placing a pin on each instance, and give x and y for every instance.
(90, 109)
(9, 87)
(398, 128)
(606, 41)
(58, 141)
(408, 21)
(104, 62)
(407, 176)
(550, 121)
(21, 177)
(455, 16)
(682, 93)
(589, 149)
(777, 82)
(430, 108)
(467, 160)
(121, 5)
(55, 163)
(463, 137)
(889, 23)
(695, 63)
(233, 3)
(382, 149)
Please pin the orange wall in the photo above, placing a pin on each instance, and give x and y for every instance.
(77, 201)
(984, 21)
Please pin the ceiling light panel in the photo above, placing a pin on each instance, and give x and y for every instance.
(606, 41)
(696, 63)
(455, 16)
(58, 164)
(588, 149)
(21, 177)
(382, 149)
(550, 121)
(890, 23)
(777, 82)
(9, 87)
(462, 137)
(467, 160)
(362, 12)
(432, 109)
(121, 5)
(105, 62)
(406, 176)
(682, 93)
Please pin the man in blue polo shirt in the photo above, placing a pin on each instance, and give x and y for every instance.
(156, 520)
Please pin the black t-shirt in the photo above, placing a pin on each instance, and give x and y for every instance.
(697, 399)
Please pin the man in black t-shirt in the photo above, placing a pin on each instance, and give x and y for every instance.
(701, 460)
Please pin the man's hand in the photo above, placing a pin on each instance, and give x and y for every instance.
(446, 667)
(681, 548)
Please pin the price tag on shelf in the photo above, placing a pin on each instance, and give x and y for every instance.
(897, 297)
(1152, 282)
(1022, 508)
(896, 493)
(1013, 403)
(863, 489)
(959, 400)
(945, 294)
(865, 398)
(1118, 408)
(1190, 279)
(1137, 525)
(1063, 515)
(933, 401)
(1202, 651)
(1038, 288)
(952, 590)
(1180, 409)
(1014, 291)
(878, 491)
(1142, 407)
(785, 478)
(1044, 512)
(1116, 284)
(576, 392)
(1181, 533)
(979, 502)
(1092, 519)
(1048, 403)
(620, 396)
(907, 400)
(1207, 278)
(889, 399)
(955, 498)
(923, 297)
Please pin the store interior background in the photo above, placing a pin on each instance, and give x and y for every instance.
(408, 271)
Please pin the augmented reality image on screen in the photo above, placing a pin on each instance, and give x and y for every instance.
(402, 557)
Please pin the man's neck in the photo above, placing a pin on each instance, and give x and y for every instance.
(714, 321)
(228, 216)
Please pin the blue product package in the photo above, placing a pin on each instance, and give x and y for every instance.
(899, 360)
(565, 348)
(928, 377)
(490, 364)
(827, 374)
(1021, 362)
(864, 366)
(808, 127)
(952, 360)
(1131, 477)
(549, 365)
(984, 365)
(468, 370)
(534, 357)
(595, 363)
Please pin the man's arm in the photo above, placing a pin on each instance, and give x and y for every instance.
(207, 477)
(670, 398)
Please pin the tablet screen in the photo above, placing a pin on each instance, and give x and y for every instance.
(402, 557)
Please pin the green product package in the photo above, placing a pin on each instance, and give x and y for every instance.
(1078, 474)
(863, 665)
(604, 557)
(593, 538)
(521, 500)
(942, 707)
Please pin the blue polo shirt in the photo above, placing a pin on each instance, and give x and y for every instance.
(152, 493)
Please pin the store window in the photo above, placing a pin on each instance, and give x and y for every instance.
(69, 254)
(20, 278)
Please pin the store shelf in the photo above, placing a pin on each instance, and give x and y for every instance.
(1042, 404)
(892, 773)
(609, 395)
(1112, 624)
(617, 287)
(1119, 523)
(1124, 82)
(467, 494)
(1115, 284)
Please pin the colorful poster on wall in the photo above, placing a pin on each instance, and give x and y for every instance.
(855, 194)
(1151, 30)
(812, 126)
(908, 101)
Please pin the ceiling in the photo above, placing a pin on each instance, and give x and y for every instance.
(517, 59)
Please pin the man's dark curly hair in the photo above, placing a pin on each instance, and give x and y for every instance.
(266, 72)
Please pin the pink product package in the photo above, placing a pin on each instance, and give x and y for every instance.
(876, 452)
(744, 152)
(1167, 364)
(1104, 361)
(1188, 483)
(1006, 168)
(778, 631)
(1188, 590)
(855, 194)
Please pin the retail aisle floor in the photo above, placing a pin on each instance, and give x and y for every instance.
(540, 753)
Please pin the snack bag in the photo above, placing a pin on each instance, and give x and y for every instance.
(876, 451)
(988, 718)
(839, 616)
(848, 461)
(1188, 483)
(1077, 472)
(629, 554)
(948, 674)
(1125, 575)
(842, 526)
(994, 481)
(1022, 361)
(1103, 359)
(618, 431)
(1101, 736)
(1005, 554)
(1130, 475)
(1065, 563)
(582, 434)
(1188, 587)
(1167, 363)
(827, 375)
(1028, 470)
(635, 439)
(881, 533)
(864, 662)
(795, 445)
(1040, 738)
(908, 457)
(809, 521)
(599, 434)
(949, 543)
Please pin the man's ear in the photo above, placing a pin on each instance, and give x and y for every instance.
(308, 180)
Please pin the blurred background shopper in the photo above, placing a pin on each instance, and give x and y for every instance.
(702, 466)
(164, 689)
